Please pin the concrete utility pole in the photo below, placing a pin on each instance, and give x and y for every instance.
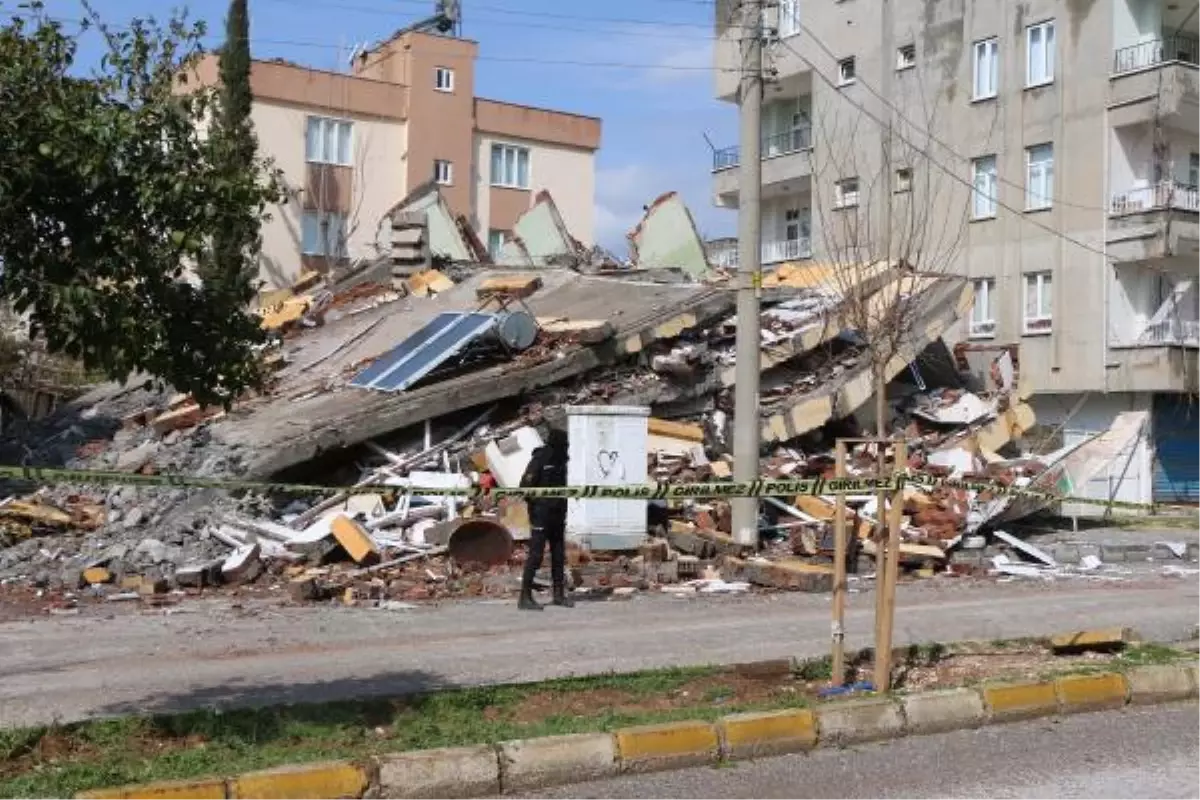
(749, 275)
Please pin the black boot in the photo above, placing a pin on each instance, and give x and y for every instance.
(561, 598)
(526, 602)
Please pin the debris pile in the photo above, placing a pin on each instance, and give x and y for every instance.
(440, 374)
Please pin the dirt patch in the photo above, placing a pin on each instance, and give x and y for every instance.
(976, 664)
(712, 691)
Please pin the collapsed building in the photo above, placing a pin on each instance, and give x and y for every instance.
(436, 366)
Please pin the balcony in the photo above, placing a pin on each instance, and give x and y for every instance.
(1153, 222)
(1156, 82)
(1169, 49)
(1159, 197)
(786, 166)
(771, 252)
(1171, 332)
(779, 144)
(786, 250)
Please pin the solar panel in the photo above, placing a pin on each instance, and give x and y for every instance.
(444, 337)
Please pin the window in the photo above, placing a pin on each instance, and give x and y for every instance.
(510, 166)
(1037, 302)
(496, 242)
(846, 193)
(789, 17)
(328, 141)
(443, 172)
(1039, 177)
(903, 180)
(983, 315)
(906, 57)
(1039, 54)
(986, 69)
(443, 79)
(983, 179)
(1193, 170)
(846, 73)
(323, 233)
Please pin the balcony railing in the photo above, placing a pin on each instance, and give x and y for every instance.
(1158, 51)
(1160, 196)
(778, 144)
(773, 252)
(786, 250)
(1185, 332)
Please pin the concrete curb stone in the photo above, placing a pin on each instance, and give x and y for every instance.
(769, 733)
(858, 721)
(674, 744)
(1015, 701)
(1159, 683)
(554, 760)
(944, 710)
(446, 772)
(1091, 692)
(329, 779)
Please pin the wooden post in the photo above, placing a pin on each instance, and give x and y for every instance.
(879, 533)
(840, 543)
(891, 575)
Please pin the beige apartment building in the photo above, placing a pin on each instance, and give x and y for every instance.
(1062, 182)
(352, 145)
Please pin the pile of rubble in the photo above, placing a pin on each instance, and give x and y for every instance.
(440, 377)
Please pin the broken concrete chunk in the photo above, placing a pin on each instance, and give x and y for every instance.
(355, 540)
(243, 565)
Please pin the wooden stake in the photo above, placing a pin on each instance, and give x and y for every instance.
(890, 576)
(839, 576)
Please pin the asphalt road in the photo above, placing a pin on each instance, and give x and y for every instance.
(207, 653)
(1151, 752)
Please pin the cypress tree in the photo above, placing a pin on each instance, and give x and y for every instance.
(232, 267)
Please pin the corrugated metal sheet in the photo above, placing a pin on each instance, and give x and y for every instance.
(1177, 449)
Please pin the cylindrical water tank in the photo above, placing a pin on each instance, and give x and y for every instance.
(517, 329)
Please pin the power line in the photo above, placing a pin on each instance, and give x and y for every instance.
(546, 26)
(951, 173)
(501, 59)
(887, 103)
(626, 21)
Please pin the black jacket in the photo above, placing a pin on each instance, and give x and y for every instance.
(547, 467)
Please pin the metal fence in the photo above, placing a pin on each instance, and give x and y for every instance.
(1157, 51)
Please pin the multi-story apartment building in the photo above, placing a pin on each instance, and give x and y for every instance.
(352, 145)
(1048, 151)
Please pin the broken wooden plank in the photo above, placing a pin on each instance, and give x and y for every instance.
(185, 417)
(36, 513)
(676, 430)
(355, 540)
(428, 282)
(514, 285)
(286, 313)
(909, 551)
(584, 331)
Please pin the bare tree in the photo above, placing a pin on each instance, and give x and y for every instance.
(890, 220)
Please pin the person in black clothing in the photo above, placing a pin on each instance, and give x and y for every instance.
(547, 519)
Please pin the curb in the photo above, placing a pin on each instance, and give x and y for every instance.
(522, 765)
(1066, 553)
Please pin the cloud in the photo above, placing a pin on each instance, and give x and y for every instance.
(623, 192)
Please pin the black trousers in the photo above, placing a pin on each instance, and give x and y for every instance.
(556, 536)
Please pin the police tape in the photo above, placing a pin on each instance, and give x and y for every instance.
(763, 487)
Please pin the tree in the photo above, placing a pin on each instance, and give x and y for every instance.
(231, 269)
(111, 196)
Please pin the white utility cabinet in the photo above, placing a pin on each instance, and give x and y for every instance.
(607, 447)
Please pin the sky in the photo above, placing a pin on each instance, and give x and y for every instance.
(657, 107)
